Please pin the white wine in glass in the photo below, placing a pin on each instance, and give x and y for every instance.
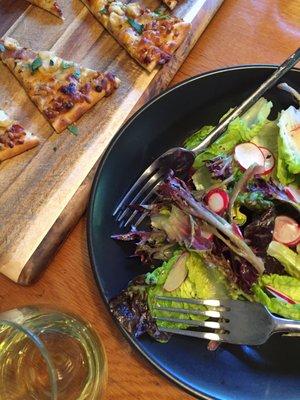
(49, 355)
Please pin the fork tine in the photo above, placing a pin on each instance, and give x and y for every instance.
(153, 181)
(200, 335)
(143, 201)
(141, 219)
(191, 322)
(210, 302)
(206, 313)
(125, 200)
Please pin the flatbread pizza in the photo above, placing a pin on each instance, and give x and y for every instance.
(62, 90)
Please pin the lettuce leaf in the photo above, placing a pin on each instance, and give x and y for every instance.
(287, 257)
(285, 284)
(268, 137)
(289, 131)
(282, 172)
(202, 178)
(242, 129)
(197, 137)
(202, 282)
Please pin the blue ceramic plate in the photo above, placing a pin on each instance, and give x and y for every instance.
(268, 372)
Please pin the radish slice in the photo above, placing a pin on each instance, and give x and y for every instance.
(279, 295)
(237, 231)
(177, 274)
(286, 231)
(269, 161)
(246, 154)
(217, 200)
(293, 193)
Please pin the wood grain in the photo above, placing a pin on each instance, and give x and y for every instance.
(38, 185)
(238, 34)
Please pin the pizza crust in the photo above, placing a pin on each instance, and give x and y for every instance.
(64, 120)
(29, 142)
(14, 139)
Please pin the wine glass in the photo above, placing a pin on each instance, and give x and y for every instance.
(47, 354)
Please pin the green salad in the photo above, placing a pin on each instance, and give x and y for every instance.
(229, 230)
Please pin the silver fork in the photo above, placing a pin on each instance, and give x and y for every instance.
(180, 160)
(230, 321)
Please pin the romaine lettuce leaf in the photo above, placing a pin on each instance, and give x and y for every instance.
(282, 172)
(268, 136)
(202, 282)
(197, 137)
(288, 258)
(202, 178)
(242, 129)
(289, 131)
(285, 284)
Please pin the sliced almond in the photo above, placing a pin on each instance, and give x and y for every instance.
(177, 274)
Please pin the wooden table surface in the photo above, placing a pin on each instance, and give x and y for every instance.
(242, 32)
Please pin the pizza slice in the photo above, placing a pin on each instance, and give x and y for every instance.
(14, 139)
(149, 37)
(62, 90)
(50, 5)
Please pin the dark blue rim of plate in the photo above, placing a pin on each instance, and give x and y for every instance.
(92, 201)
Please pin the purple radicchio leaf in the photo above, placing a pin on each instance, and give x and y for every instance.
(220, 167)
(150, 245)
(131, 310)
(245, 273)
(259, 234)
(238, 271)
(269, 189)
(142, 236)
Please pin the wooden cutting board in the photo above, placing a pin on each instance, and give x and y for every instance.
(44, 192)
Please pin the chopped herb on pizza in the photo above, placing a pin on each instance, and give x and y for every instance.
(149, 37)
(62, 90)
(14, 139)
(50, 5)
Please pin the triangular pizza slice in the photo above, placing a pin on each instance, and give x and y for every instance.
(150, 37)
(62, 90)
(14, 139)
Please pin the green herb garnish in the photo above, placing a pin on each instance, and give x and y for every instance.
(36, 64)
(51, 63)
(103, 11)
(77, 74)
(136, 26)
(159, 16)
(160, 10)
(65, 64)
(160, 13)
(2, 47)
(73, 129)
